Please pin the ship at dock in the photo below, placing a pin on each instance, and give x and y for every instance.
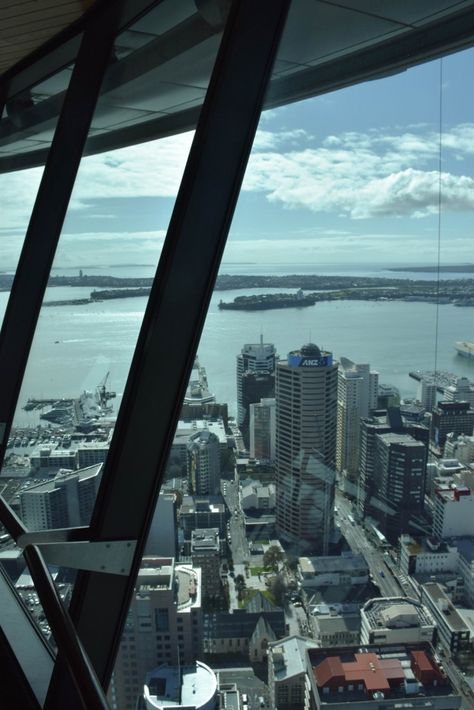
(82, 413)
(465, 349)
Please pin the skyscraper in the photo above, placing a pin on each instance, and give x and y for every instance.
(400, 472)
(204, 463)
(356, 397)
(306, 405)
(254, 357)
(262, 429)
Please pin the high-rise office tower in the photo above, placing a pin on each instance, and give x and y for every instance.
(368, 486)
(67, 500)
(306, 413)
(356, 396)
(447, 417)
(259, 358)
(254, 387)
(263, 429)
(427, 393)
(204, 463)
(400, 475)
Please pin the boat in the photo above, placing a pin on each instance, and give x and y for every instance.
(465, 349)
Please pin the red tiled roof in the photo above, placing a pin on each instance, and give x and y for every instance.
(366, 668)
(422, 661)
(329, 670)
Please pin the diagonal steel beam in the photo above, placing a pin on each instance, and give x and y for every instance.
(173, 321)
(48, 214)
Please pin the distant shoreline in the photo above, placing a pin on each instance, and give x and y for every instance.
(455, 269)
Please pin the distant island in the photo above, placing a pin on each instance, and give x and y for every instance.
(268, 301)
(316, 288)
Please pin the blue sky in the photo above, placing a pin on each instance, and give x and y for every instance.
(347, 177)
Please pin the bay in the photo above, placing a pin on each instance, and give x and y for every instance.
(74, 347)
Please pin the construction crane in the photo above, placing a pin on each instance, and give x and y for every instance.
(103, 394)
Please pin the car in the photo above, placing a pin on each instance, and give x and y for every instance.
(382, 573)
(261, 701)
(245, 698)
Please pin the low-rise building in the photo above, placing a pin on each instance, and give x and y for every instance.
(373, 677)
(369, 677)
(452, 630)
(396, 620)
(256, 496)
(335, 629)
(427, 556)
(237, 631)
(337, 570)
(453, 514)
(288, 682)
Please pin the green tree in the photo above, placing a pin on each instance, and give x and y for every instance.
(272, 557)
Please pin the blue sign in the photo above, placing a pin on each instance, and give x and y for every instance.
(295, 360)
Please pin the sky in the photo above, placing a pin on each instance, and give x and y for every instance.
(348, 177)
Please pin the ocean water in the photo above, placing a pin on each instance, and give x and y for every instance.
(75, 346)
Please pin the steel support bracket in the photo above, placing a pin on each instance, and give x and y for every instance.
(112, 557)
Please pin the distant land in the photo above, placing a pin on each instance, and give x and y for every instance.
(457, 268)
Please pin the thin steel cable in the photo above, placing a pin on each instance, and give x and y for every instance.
(440, 158)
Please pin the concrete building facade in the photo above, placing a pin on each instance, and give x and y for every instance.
(164, 625)
(258, 358)
(356, 397)
(263, 429)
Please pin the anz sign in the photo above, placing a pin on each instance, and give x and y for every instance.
(302, 361)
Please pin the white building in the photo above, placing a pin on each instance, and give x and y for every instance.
(257, 496)
(453, 514)
(65, 501)
(395, 620)
(356, 396)
(427, 394)
(306, 413)
(427, 557)
(263, 429)
(190, 687)
(460, 447)
(461, 391)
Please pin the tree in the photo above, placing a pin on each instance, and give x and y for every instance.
(278, 588)
(272, 557)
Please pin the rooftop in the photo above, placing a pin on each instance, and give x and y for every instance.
(379, 672)
(396, 612)
(188, 686)
(288, 656)
(445, 606)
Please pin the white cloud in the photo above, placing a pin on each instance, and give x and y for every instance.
(354, 174)
(363, 175)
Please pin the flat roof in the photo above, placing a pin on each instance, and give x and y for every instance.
(187, 686)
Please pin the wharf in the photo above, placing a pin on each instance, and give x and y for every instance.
(443, 378)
